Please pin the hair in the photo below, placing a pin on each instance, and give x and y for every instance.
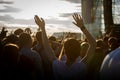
(18, 31)
(105, 38)
(84, 47)
(99, 43)
(28, 30)
(112, 40)
(24, 39)
(12, 39)
(39, 36)
(53, 38)
(72, 49)
(10, 53)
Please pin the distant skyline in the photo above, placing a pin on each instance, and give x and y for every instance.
(57, 13)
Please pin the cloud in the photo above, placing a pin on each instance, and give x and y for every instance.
(78, 5)
(56, 21)
(12, 20)
(6, 2)
(52, 25)
(73, 1)
(9, 9)
(67, 14)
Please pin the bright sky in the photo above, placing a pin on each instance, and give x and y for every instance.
(43, 8)
(57, 13)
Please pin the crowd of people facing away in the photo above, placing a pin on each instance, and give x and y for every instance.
(39, 57)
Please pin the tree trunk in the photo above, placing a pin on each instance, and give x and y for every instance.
(108, 19)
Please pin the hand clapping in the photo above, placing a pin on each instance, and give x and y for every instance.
(40, 22)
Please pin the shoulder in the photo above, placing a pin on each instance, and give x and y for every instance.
(26, 62)
(58, 64)
(35, 53)
(80, 65)
(109, 59)
(115, 60)
(111, 55)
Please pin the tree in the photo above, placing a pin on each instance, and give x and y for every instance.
(108, 19)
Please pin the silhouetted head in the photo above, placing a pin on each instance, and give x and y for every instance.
(28, 30)
(39, 37)
(10, 53)
(100, 43)
(72, 49)
(12, 39)
(84, 48)
(25, 40)
(105, 38)
(112, 41)
(18, 31)
(52, 38)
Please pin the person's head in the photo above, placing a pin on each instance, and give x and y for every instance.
(25, 40)
(112, 41)
(72, 49)
(18, 31)
(10, 53)
(39, 37)
(12, 39)
(52, 38)
(28, 30)
(100, 43)
(84, 47)
(105, 38)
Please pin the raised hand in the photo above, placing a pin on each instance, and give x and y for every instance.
(3, 33)
(40, 22)
(78, 21)
(48, 52)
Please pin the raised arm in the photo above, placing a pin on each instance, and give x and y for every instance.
(78, 21)
(48, 50)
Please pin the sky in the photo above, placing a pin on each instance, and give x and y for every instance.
(56, 13)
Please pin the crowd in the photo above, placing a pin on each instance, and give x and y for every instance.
(39, 57)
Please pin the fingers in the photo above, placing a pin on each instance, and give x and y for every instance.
(75, 23)
(36, 18)
(79, 17)
(42, 20)
(39, 19)
(75, 17)
(78, 20)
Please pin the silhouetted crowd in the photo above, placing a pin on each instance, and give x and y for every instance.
(39, 57)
